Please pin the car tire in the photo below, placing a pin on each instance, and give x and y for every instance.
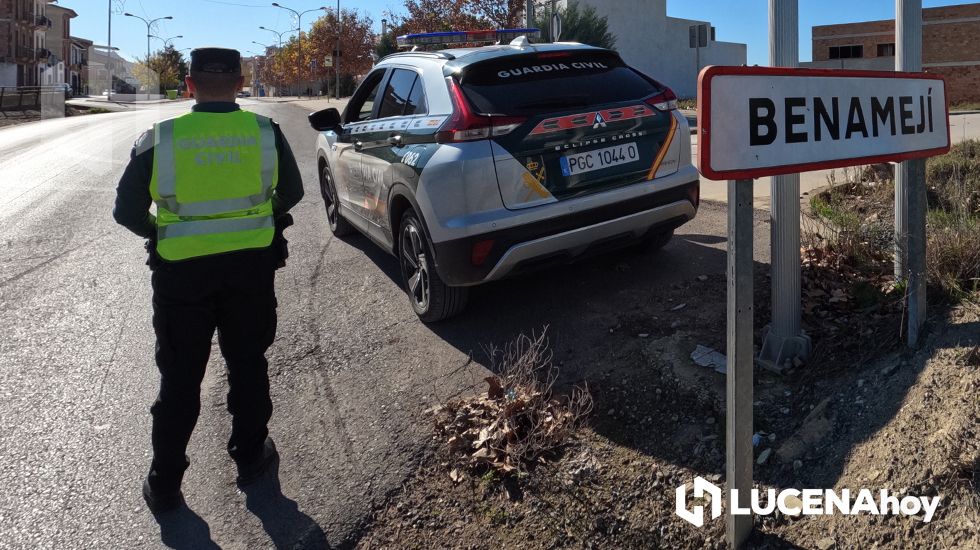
(431, 298)
(655, 241)
(338, 225)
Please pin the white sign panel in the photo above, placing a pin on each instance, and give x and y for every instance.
(760, 121)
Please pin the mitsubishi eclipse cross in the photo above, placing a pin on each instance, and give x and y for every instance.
(477, 163)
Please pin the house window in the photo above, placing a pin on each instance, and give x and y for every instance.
(846, 52)
(886, 50)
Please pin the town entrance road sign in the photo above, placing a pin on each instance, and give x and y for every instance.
(761, 121)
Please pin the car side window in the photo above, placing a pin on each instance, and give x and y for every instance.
(362, 105)
(416, 100)
(397, 93)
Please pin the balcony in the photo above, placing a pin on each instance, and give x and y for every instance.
(42, 22)
(44, 53)
(25, 54)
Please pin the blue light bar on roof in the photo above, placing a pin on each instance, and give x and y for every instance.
(465, 37)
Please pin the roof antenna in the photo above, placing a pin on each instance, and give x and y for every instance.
(520, 42)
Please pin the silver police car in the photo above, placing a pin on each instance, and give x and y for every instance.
(474, 164)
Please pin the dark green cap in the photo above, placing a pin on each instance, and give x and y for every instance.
(216, 60)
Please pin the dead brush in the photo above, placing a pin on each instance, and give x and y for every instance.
(964, 475)
(517, 422)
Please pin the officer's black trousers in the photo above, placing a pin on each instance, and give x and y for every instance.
(235, 294)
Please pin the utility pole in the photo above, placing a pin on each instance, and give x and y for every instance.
(784, 339)
(109, 54)
(336, 65)
(529, 14)
(910, 189)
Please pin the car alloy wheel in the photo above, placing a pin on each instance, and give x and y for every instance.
(338, 225)
(431, 298)
(415, 268)
(330, 198)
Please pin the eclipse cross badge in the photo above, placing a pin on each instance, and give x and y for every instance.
(599, 122)
(695, 516)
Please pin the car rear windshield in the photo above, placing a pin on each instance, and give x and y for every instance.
(552, 81)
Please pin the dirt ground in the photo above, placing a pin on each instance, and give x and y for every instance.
(11, 119)
(14, 118)
(885, 419)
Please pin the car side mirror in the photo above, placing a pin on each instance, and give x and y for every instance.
(327, 119)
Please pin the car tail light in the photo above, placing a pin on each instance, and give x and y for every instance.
(465, 125)
(503, 125)
(664, 101)
(481, 250)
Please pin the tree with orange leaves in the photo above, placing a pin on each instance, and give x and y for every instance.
(450, 15)
(356, 43)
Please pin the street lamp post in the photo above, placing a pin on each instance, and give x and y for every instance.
(167, 41)
(299, 36)
(278, 34)
(149, 23)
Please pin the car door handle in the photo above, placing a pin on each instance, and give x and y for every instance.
(358, 145)
(395, 139)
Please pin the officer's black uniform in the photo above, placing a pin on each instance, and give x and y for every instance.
(233, 293)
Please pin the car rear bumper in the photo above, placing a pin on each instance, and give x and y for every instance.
(499, 254)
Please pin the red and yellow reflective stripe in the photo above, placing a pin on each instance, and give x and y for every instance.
(663, 150)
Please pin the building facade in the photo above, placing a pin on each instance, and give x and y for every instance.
(24, 55)
(950, 47)
(78, 65)
(102, 63)
(659, 45)
(58, 40)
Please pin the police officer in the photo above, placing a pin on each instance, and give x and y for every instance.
(222, 180)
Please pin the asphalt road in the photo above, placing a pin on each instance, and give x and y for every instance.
(352, 368)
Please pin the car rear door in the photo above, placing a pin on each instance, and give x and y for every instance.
(585, 123)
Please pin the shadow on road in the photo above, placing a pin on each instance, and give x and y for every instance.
(287, 526)
(183, 529)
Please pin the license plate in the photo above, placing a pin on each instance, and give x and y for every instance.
(580, 163)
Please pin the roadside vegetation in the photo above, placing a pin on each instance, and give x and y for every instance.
(965, 106)
(687, 104)
(517, 423)
(853, 221)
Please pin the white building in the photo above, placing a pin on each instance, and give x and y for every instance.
(659, 45)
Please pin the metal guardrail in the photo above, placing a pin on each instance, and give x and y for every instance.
(28, 98)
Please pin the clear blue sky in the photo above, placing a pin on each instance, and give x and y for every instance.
(234, 23)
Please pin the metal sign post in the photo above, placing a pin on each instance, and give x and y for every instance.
(555, 27)
(784, 338)
(910, 179)
(738, 418)
(698, 37)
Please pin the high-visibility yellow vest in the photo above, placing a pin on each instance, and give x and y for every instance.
(213, 179)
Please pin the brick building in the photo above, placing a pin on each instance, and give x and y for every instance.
(950, 47)
(23, 47)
